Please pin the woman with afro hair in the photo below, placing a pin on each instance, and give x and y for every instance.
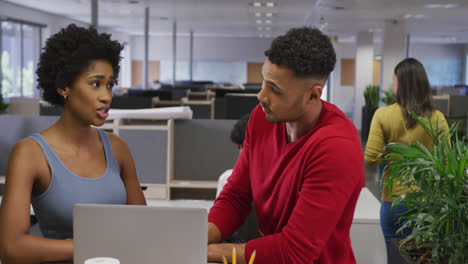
(70, 162)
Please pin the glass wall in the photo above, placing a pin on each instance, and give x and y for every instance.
(216, 71)
(20, 49)
(443, 72)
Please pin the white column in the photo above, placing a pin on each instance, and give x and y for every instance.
(174, 51)
(145, 60)
(393, 51)
(191, 56)
(364, 65)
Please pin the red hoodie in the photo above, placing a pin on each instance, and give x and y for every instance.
(304, 192)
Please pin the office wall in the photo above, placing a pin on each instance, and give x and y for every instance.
(342, 95)
(453, 54)
(436, 51)
(444, 63)
(205, 48)
(55, 22)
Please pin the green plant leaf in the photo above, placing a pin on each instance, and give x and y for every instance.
(371, 96)
(438, 208)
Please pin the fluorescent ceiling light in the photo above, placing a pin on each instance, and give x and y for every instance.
(268, 14)
(267, 35)
(441, 5)
(261, 35)
(452, 5)
(270, 4)
(260, 28)
(416, 16)
(268, 21)
(432, 6)
(258, 14)
(256, 4)
(259, 21)
(268, 28)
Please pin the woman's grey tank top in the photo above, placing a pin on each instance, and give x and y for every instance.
(54, 207)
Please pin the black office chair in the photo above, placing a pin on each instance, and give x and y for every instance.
(131, 102)
(237, 105)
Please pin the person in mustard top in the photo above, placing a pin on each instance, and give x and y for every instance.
(393, 123)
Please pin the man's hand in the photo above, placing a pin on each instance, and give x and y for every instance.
(214, 235)
(217, 251)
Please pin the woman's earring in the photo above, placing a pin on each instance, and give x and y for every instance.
(65, 97)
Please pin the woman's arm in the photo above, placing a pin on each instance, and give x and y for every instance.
(127, 170)
(16, 244)
(375, 141)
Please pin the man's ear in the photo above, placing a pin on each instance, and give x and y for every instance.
(315, 92)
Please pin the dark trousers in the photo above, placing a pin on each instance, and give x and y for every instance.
(390, 223)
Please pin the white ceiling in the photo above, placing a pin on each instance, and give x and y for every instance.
(237, 17)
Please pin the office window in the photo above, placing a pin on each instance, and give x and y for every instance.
(232, 72)
(443, 72)
(20, 48)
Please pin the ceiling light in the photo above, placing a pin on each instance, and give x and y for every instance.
(379, 30)
(418, 16)
(441, 5)
(451, 5)
(259, 21)
(258, 14)
(256, 4)
(261, 35)
(268, 28)
(268, 14)
(408, 16)
(267, 35)
(260, 28)
(432, 6)
(268, 21)
(270, 4)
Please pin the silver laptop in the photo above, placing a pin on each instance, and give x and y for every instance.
(140, 234)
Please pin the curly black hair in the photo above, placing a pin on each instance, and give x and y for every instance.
(68, 53)
(304, 50)
(238, 131)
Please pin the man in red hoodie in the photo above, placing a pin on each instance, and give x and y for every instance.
(302, 164)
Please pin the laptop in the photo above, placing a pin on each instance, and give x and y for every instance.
(140, 234)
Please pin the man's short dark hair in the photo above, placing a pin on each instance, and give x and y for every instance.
(305, 50)
(238, 131)
(68, 53)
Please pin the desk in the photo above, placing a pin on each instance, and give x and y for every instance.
(171, 203)
(366, 235)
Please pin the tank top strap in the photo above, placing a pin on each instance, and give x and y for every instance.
(107, 149)
(49, 153)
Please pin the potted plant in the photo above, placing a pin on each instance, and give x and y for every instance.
(388, 97)
(438, 204)
(3, 106)
(371, 95)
